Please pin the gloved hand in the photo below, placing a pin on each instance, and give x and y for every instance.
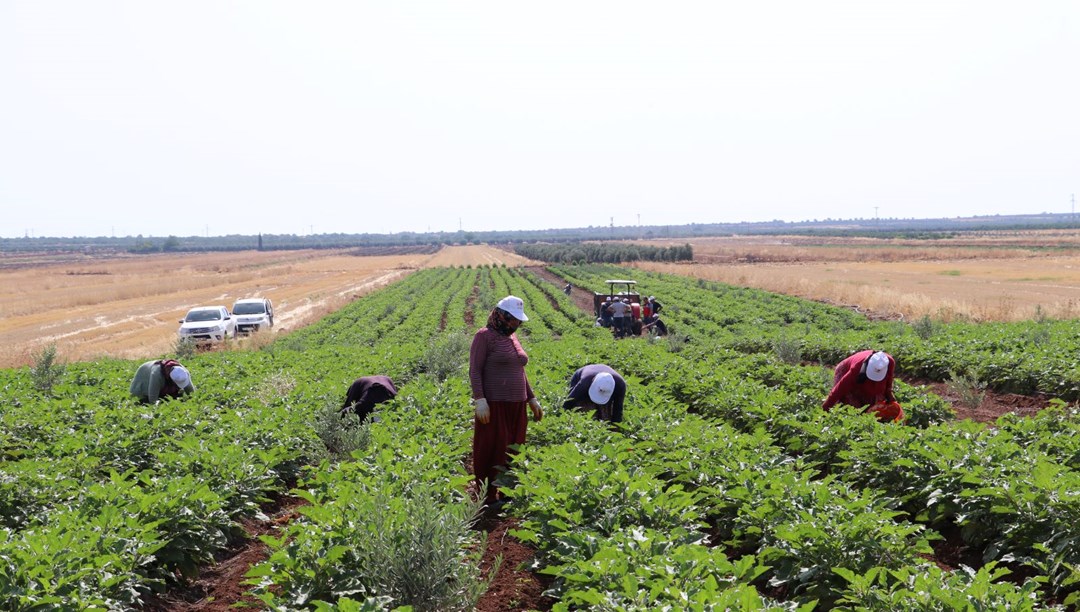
(538, 412)
(483, 413)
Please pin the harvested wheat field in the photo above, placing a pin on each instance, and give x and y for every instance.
(1002, 276)
(127, 306)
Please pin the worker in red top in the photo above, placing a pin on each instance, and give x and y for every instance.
(864, 379)
(500, 392)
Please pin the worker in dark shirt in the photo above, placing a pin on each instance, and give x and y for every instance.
(598, 388)
(366, 392)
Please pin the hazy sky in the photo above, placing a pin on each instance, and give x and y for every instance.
(211, 118)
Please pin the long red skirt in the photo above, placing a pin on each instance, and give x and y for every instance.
(491, 443)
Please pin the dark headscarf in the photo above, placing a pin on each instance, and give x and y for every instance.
(501, 321)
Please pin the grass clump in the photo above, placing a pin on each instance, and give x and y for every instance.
(418, 561)
(969, 390)
(447, 358)
(924, 327)
(341, 434)
(379, 546)
(676, 341)
(275, 386)
(788, 350)
(46, 371)
(185, 348)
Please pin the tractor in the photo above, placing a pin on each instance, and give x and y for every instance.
(619, 289)
(625, 288)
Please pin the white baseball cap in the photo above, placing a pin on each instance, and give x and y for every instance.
(180, 376)
(877, 366)
(513, 305)
(603, 385)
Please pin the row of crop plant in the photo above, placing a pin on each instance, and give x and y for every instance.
(727, 487)
(1037, 356)
(676, 508)
(104, 502)
(1014, 503)
(391, 526)
(627, 519)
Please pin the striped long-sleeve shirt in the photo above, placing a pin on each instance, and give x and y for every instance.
(497, 368)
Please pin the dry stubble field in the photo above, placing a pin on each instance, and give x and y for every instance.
(128, 306)
(985, 276)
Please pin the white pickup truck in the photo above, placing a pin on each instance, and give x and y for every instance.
(253, 314)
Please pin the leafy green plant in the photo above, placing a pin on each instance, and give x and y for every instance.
(928, 587)
(609, 493)
(639, 569)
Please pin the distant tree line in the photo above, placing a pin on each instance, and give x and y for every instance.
(882, 228)
(603, 252)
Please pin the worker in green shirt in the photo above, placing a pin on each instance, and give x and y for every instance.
(162, 378)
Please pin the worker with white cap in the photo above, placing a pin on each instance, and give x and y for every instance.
(162, 378)
(599, 388)
(863, 379)
(500, 393)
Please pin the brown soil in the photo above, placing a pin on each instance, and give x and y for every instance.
(993, 404)
(513, 587)
(221, 586)
(581, 296)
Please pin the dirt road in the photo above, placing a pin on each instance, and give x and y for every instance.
(128, 307)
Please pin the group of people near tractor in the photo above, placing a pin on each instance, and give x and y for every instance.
(503, 399)
(626, 317)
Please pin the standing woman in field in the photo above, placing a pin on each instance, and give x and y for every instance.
(500, 391)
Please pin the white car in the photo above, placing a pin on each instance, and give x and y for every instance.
(207, 324)
(253, 314)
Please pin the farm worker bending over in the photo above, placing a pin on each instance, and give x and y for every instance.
(865, 379)
(366, 392)
(598, 388)
(500, 391)
(163, 378)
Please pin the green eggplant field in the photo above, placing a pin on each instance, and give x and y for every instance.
(726, 486)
